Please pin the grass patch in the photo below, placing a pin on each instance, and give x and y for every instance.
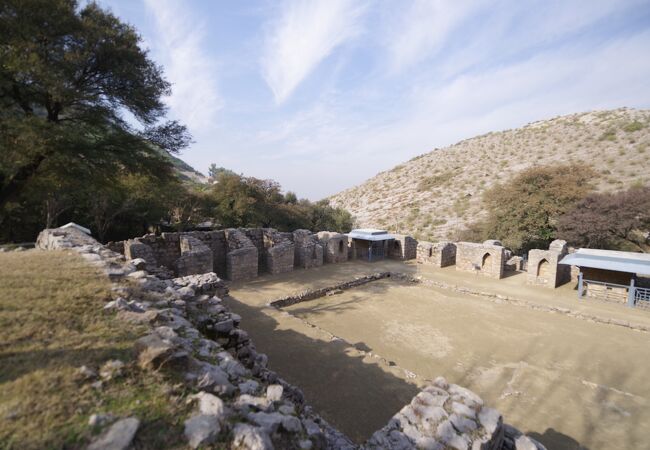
(633, 126)
(51, 323)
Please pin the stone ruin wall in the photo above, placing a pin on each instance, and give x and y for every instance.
(440, 254)
(335, 247)
(487, 259)
(308, 250)
(279, 251)
(544, 268)
(403, 247)
(192, 336)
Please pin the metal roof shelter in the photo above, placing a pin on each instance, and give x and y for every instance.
(607, 262)
(377, 242)
(638, 263)
(370, 234)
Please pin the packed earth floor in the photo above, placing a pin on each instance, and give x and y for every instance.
(360, 355)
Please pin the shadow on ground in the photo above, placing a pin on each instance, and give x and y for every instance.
(356, 397)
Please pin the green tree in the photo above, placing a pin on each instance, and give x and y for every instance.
(523, 213)
(68, 76)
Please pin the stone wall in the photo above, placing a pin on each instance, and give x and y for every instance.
(279, 251)
(440, 254)
(308, 250)
(335, 246)
(196, 257)
(242, 257)
(403, 247)
(544, 268)
(256, 236)
(485, 259)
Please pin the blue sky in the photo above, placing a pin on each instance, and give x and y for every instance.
(321, 95)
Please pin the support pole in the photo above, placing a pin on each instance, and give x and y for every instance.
(580, 289)
(631, 294)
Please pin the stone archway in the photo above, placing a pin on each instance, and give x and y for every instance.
(543, 268)
(486, 262)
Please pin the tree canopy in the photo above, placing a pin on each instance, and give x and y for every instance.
(618, 220)
(523, 212)
(69, 77)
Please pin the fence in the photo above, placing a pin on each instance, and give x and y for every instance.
(619, 293)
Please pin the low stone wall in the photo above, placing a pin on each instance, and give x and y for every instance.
(403, 248)
(544, 268)
(317, 293)
(335, 247)
(484, 259)
(440, 254)
(308, 250)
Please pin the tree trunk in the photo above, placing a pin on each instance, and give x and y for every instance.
(17, 182)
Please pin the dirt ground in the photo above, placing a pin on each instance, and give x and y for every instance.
(360, 355)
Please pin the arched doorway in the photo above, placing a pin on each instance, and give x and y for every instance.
(486, 263)
(341, 247)
(543, 268)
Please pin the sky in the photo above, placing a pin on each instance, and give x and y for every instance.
(321, 95)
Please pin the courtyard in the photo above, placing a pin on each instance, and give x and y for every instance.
(360, 355)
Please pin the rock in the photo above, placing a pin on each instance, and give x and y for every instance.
(139, 263)
(291, 424)
(138, 274)
(100, 420)
(212, 378)
(234, 368)
(155, 352)
(248, 437)
(224, 327)
(287, 409)
(463, 410)
(274, 392)
(210, 404)
(525, 443)
(201, 430)
(463, 424)
(248, 387)
(111, 369)
(117, 304)
(270, 422)
(490, 419)
(186, 292)
(86, 373)
(245, 400)
(118, 437)
(447, 434)
(305, 444)
(441, 383)
(465, 395)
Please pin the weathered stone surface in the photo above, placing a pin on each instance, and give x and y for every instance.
(118, 437)
(485, 259)
(201, 430)
(544, 268)
(248, 437)
(274, 392)
(210, 404)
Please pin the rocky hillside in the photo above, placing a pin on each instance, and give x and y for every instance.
(436, 194)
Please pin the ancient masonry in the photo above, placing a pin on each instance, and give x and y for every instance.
(309, 251)
(335, 246)
(487, 259)
(240, 403)
(403, 247)
(544, 268)
(441, 254)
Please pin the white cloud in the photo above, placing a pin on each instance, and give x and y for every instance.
(177, 44)
(423, 28)
(306, 33)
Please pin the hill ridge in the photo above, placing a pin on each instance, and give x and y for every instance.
(436, 194)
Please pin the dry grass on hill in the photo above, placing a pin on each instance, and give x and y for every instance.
(51, 323)
(435, 195)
